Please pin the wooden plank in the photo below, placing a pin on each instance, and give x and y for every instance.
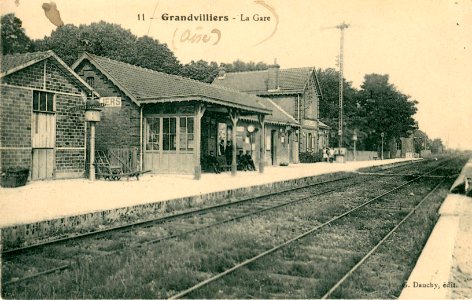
(43, 130)
(35, 167)
(42, 167)
(49, 163)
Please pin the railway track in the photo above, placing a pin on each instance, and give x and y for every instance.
(186, 224)
(307, 234)
(240, 210)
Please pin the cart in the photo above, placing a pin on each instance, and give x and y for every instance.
(113, 172)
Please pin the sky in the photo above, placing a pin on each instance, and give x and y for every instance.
(423, 45)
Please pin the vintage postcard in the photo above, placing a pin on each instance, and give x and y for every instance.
(236, 149)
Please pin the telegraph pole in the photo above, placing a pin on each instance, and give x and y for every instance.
(341, 27)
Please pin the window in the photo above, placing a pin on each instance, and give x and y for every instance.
(309, 142)
(169, 133)
(399, 145)
(186, 133)
(90, 81)
(43, 102)
(152, 133)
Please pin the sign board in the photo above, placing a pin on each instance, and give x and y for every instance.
(310, 123)
(111, 101)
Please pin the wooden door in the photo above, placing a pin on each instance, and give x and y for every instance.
(43, 143)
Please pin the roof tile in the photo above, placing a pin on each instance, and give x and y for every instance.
(290, 80)
(11, 61)
(145, 84)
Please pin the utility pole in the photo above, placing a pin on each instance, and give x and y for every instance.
(341, 27)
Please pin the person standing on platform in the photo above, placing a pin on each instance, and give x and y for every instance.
(331, 155)
(229, 153)
(222, 147)
(325, 154)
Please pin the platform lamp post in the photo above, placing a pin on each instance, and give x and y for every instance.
(92, 115)
(382, 135)
(354, 139)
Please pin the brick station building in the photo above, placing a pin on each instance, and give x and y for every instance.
(173, 121)
(40, 130)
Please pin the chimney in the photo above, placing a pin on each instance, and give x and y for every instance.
(221, 72)
(273, 77)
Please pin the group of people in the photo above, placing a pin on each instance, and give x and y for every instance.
(244, 160)
(328, 154)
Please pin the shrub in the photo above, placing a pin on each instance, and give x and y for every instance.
(310, 157)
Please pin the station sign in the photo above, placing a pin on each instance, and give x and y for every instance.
(110, 101)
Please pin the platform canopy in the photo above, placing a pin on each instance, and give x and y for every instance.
(146, 86)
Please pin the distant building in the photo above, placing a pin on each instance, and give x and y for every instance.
(40, 128)
(296, 90)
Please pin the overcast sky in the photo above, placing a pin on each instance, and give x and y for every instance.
(424, 45)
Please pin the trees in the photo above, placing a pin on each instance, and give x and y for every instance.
(385, 110)
(14, 39)
(64, 41)
(151, 54)
(200, 70)
(206, 72)
(437, 146)
(329, 106)
(378, 107)
(240, 66)
(110, 40)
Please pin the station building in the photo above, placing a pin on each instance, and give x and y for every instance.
(40, 130)
(296, 90)
(174, 122)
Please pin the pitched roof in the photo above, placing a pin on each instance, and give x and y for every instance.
(148, 86)
(292, 80)
(12, 63)
(278, 116)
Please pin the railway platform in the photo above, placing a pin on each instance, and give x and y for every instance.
(40, 201)
(444, 268)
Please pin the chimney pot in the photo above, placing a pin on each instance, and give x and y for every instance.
(273, 77)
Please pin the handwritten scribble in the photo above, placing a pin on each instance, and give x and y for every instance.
(195, 37)
(274, 13)
(52, 13)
